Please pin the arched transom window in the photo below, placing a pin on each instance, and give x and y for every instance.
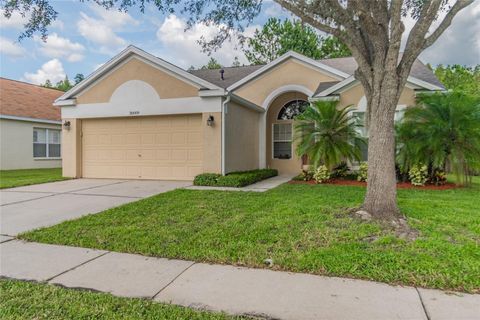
(292, 109)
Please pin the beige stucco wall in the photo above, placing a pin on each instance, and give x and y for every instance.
(353, 95)
(293, 165)
(212, 143)
(16, 145)
(166, 85)
(288, 73)
(241, 138)
(72, 149)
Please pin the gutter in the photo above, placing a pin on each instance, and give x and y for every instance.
(224, 111)
(28, 119)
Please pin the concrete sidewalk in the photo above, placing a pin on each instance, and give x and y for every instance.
(235, 290)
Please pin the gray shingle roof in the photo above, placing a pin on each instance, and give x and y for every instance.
(231, 75)
(347, 65)
(324, 86)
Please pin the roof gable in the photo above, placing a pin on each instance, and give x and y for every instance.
(144, 56)
(335, 73)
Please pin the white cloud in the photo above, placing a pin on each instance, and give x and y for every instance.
(16, 21)
(460, 43)
(114, 18)
(58, 24)
(102, 29)
(10, 48)
(183, 46)
(95, 67)
(58, 47)
(51, 70)
(274, 10)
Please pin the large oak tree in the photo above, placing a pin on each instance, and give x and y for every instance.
(372, 30)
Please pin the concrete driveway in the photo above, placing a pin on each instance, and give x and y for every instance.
(41, 205)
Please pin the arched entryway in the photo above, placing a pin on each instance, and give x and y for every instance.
(280, 143)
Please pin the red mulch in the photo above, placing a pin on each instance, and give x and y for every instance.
(401, 185)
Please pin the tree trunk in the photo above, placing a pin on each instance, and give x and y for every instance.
(381, 197)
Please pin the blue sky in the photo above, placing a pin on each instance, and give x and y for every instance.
(85, 36)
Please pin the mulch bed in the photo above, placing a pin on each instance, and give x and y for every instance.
(401, 185)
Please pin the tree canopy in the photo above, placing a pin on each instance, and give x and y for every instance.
(460, 78)
(278, 37)
(212, 64)
(65, 84)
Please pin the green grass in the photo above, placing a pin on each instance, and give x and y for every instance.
(303, 228)
(28, 300)
(25, 177)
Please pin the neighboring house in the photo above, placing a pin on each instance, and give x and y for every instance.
(30, 126)
(141, 117)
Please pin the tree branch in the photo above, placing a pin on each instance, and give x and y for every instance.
(447, 21)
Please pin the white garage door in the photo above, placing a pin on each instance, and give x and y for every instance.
(160, 147)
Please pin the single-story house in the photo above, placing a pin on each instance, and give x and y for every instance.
(30, 126)
(141, 117)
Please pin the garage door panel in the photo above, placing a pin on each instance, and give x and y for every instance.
(194, 138)
(163, 138)
(179, 138)
(148, 139)
(195, 155)
(161, 147)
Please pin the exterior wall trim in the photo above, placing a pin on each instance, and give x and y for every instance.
(28, 119)
(163, 107)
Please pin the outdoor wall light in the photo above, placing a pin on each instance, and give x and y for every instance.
(66, 125)
(210, 121)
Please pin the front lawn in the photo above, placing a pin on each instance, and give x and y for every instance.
(303, 228)
(28, 300)
(25, 177)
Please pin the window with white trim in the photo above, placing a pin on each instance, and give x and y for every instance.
(46, 143)
(282, 140)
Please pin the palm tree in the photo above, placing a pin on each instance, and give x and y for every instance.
(442, 131)
(327, 134)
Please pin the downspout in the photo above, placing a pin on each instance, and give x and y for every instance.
(224, 111)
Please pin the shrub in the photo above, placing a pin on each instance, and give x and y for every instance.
(362, 172)
(234, 179)
(437, 177)
(306, 175)
(341, 170)
(206, 179)
(442, 132)
(418, 175)
(321, 174)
